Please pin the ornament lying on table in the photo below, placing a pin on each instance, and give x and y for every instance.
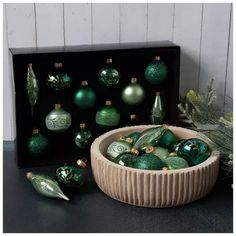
(84, 137)
(46, 186)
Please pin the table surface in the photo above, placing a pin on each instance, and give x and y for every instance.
(90, 210)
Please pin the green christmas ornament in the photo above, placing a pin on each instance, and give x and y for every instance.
(108, 76)
(46, 186)
(148, 162)
(134, 136)
(174, 163)
(58, 120)
(162, 153)
(167, 140)
(70, 177)
(133, 93)
(194, 151)
(85, 97)
(116, 148)
(84, 137)
(58, 79)
(157, 112)
(108, 116)
(37, 144)
(156, 72)
(32, 87)
(125, 159)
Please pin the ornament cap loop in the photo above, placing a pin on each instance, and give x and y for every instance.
(109, 60)
(84, 83)
(82, 125)
(157, 58)
(81, 163)
(29, 175)
(108, 103)
(129, 140)
(134, 80)
(35, 131)
(57, 106)
(134, 151)
(150, 149)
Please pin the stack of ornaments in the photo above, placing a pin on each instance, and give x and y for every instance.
(157, 149)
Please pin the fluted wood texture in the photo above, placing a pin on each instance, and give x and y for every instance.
(151, 188)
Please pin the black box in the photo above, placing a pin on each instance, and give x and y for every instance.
(83, 63)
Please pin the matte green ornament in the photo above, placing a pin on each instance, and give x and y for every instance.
(167, 140)
(108, 75)
(70, 177)
(32, 87)
(162, 153)
(174, 163)
(148, 162)
(108, 116)
(37, 144)
(58, 79)
(133, 93)
(84, 137)
(156, 72)
(126, 159)
(58, 120)
(157, 112)
(116, 148)
(46, 186)
(194, 151)
(85, 97)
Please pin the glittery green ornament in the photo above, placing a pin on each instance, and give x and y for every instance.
(85, 97)
(84, 137)
(194, 151)
(116, 148)
(174, 163)
(133, 93)
(108, 116)
(46, 186)
(58, 79)
(156, 72)
(37, 144)
(134, 136)
(126, 159)
(167, 140)
(148, 162)
(108, 75)
(162, 153)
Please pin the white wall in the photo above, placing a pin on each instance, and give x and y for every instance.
(204, 32)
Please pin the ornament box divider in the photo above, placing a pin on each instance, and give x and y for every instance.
(82, 64)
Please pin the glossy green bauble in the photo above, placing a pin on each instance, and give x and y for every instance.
(194, 151)
(134, 136)
(108, 76)
(108, 116)
(174, 163)
(85, 98)
(58, 120)
(126, 159)
(37, 145)
(133, 94)
(167, 140)
(156, 72)
(148, 162)
(70, 177)
(83, 138)
(116, 148)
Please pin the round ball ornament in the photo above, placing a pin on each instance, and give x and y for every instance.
(116, 148)
(134, 136)
(133, 93)
(125, 159)
(174, 163)
(156, 72)
(85, 97)
(108, 116)
(160, 152)
(84, 137)
(58, 120)
(37, 144)
(167, 140)
(194, 151)
(108, 75)
(58, 79)
(148, 162)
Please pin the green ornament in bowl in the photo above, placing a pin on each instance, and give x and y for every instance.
(167, 140)
(116, 148)
(174, 163)
(125, 159)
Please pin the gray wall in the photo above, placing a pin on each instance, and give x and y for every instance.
(204, 32)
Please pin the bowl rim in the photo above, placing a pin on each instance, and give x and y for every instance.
(97, 142)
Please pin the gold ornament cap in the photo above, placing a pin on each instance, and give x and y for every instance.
(157, 58)
(165, 126)
(81, 163)
(133, 116)
(173, 154)
(29, 175)
(58, 65)
(57, 106)
(158, 93)
(84, 83)
(109, 60)
(35, 131)
(30, 65)
(134, 151)
(164, 168)
(82, 125)
(129, 140)
(150, 149)
(108, 103)
(134, 80)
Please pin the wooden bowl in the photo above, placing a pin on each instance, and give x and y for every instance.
(151, 188)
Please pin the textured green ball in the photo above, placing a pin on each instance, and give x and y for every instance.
(59, 81)
(85, 98)
(133, 94)
(107, 116)
(156, 72)
(174, 163)
(126, 159)
(167, 140)
(70, 177)
(116, 148)
(83, 138)
(148, 162)
(194, 151)
(108, 76)
(37, 145)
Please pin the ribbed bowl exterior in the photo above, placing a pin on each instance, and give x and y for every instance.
(152, 188)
